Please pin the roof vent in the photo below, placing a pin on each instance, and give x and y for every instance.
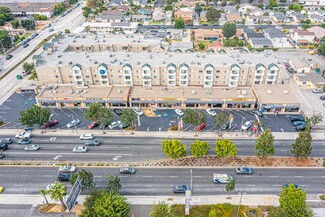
(53, 91)
(95, 61)
(224, 63)
(138, 63)
(70, 63)
(203, 56)
(71, 91)
(198, 63)
(77, 91)
(60, 62)
(59, 56)
(269, 92)
(244, 92)
(85, 91)
(286, 92)
(208, 92)
(193, 92)
(119, 91)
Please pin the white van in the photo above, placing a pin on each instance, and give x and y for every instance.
(221, 178)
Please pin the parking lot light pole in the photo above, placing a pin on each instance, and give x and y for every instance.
(191, 180)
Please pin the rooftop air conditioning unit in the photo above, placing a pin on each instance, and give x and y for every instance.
(244, 92)
(203, 56)
(286, 92)
(77, 91)
(193, 92)
(70, 63)
(269, 92)
(60, 62)
(71, 91)
(119, 91)
(53, 91)
(95, 61)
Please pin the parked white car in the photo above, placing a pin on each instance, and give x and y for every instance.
(179, 112)
(211, 112)
(67, 169)
(73, 123)
(318, 90)
(246, 125)
(32, 147)
(114, 124)
(80, 149)
(87, 136)
(138, 111)
(23, 135)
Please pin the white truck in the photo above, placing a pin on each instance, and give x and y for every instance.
(221, 178)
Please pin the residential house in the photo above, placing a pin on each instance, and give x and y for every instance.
(181, 47)
(259, 19)
(187, 16)
(123, 8)
(110, 16)
(141, 3)
(245, 8)
(316, 18)
(299, 67)
(277, 37)
(301, 37)
(256, 39)
(145, 11)
(234, 17)
(215, 46)
(280, 18)
(116, 3)
(318, 31)
(139, 18)
(175, 34)
(158, 14)
(251, 33)
(311, 80)
(297, 17)
(207, 34)
(312, 4)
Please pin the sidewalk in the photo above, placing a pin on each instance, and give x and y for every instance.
(170, 134)
(250, 200)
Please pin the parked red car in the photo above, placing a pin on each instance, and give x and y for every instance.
(201, 126)
(51, 124)
(92, 125)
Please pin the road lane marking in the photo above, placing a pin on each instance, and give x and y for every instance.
(48, 175)
(198, 185)
(172, 176)
(197, 176)
(303, 185)
(273, 176)
(69, 153)
(251, 185)
(277, 185)
(98, 176)
(147, 176)
(298, 176)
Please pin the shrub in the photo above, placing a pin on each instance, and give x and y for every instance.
(173, 128)
(322, 197)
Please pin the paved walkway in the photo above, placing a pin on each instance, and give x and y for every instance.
(318, 135)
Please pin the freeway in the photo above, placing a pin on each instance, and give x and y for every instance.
(129, 149)
(160, 181)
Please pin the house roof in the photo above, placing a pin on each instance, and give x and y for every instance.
(302, 32)
(274, 33)
(299, 16)
(318, 31)
(261, 41)
(280, 16)
(234, 16)
(252, 34)
(311, 77)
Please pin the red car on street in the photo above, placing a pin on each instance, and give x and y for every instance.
(51, 124)
(92, 125)
(201, 126)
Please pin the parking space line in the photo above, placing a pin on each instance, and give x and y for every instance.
(63, 111)
(54, 112)
(73, 112)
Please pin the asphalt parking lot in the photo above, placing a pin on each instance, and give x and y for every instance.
(9, 112)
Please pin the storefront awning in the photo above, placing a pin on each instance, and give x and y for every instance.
(169, 101)
(194, 101)
(240, 102)
(293, 106)
(94, 100)
(143, 101)
(46, 100)
(116, 101)
(69, 101)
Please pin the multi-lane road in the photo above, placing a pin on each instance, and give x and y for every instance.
(129, 149)
(160, 181)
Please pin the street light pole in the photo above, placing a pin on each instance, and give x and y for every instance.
(241, 196)
(191, 180)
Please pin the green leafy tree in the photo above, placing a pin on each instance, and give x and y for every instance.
(295, 7)
(194, 117)
(106, 116)
(179, 23)
(306, 26)
(229, 29)
(5, 38)
(198, 9)
(220, 119)
(129, 117)
(321, 48)
(201, 46)
(43, 193)
(67, 31)
(160, 210)
(99, 114)
(40, 17)
(72, 2)
(293, 202)
(15, 24)
(213, 213)
(94, 4)
(230, 186)
(322, 25)
(5, 15)
(213, 14)
(28, 67)
(302, 148)
(86, 11)
(225, 148)
(34, 115)
(223, 3)
(87, 179)
(173, 148)
(273, 4)
(28, 24)
(200, 148)
(264, 144)
(168, 8)
(57, 192)
(307, 21)
(314, 120)
(59, 8)
(113, 183)
(105, 204)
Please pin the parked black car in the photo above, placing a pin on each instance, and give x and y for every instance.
(3, 147)
(301, 127)
(2, 155)
(322, 97)
(64, 177)
(293, 118)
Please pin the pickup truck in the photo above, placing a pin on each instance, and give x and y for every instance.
(221, 178)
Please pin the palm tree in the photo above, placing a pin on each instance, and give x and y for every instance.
(44, 192)
(57, 192)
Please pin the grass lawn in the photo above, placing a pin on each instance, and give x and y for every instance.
(156, 23)
(210, 23)
(196, 45)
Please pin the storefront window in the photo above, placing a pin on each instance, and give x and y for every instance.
(246, 105)
(291, 109)
(232, 106)
(217, 105)
(190, 105)
(48, 104)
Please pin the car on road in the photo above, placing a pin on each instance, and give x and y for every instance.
(211, 112)
(114, 125)
(94, 142)
(87, 136)
(322, 97)
(24, 141)
(50, 124)
(138, 111)
(6, 140)
(318, 90)
(32, 147)
(201, 126)
(64, 177)
(70, 169)
(221, 178)
(48, 25)
(301, 127)
(2, 155)
(225, 126)
(51, 30)
(23, 135)
(258, 113)
(123, 125)
(296, 123)
(73, 123)
(181, 188)
(127, 170)
(92, 125)
(3, 147)
(9, 57)
(246, 125)
(80, 149)
(244, 170)
(179, 112)
(117, 111)
(48, 187)
(25, 45)
(293, 118)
